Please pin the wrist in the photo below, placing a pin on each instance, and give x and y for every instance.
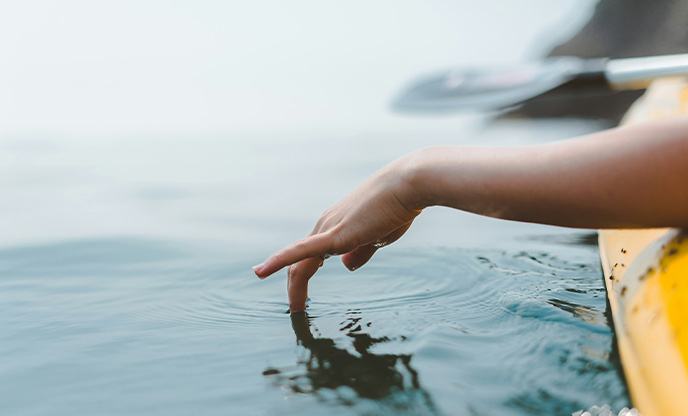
(417, 182)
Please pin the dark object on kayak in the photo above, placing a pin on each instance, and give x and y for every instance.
(618, 29)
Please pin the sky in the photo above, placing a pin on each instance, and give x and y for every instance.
(103, 68)
(237, 122)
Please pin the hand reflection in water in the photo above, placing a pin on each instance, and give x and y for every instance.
(329, 370)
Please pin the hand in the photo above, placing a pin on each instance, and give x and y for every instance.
(377, 213)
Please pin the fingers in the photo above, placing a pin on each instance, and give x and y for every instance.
(396, 234)
(361, 255)
(319, 245)
(298, 276)
(357, 258)
(313, 246)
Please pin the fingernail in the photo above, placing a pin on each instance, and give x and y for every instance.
(257, 269)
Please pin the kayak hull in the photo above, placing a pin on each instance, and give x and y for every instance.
(646, 276)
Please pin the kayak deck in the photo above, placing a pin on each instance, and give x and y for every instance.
(646, 276)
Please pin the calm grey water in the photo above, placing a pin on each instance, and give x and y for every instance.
(141, 327)
(152, 152)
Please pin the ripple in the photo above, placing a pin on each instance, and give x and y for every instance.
(491, 329)
(200, 309)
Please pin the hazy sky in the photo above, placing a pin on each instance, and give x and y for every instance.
(117, 67)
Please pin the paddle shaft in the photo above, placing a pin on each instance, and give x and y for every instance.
(637, 73)
(629, 73)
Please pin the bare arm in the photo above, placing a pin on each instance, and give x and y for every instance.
(630, 177)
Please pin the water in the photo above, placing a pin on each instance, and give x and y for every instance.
(136, 326)
(144, 171)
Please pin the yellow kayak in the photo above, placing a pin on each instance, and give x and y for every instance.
(646, 275)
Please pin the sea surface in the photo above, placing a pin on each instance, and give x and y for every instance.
(138, 326)
(151, 153)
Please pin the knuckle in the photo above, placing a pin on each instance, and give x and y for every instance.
(341, 241)
(299, 245)
(324, 218)
(292, 270)
(301, 249)
(278, 256)
(327, 225)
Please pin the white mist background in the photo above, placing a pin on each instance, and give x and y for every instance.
(239, 122)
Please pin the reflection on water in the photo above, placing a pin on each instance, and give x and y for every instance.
(585, 313)
(136, 326)
(93, 323)
(334, 372)
(578, 239)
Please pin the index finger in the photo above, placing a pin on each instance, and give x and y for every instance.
(314, 246)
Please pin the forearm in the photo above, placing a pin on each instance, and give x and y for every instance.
(634, 177)
(630, 177)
